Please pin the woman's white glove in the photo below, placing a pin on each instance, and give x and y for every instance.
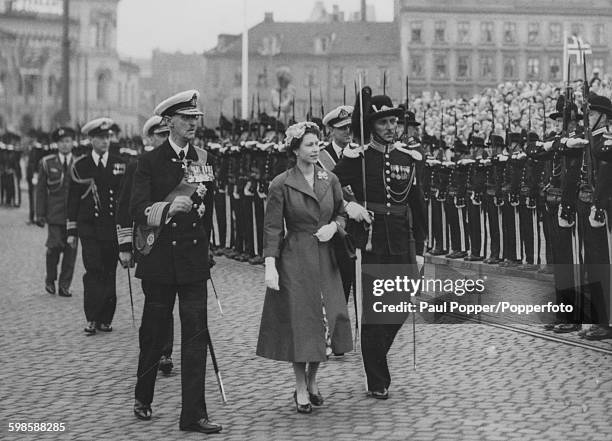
(326, 232)
(271, 273)
(357, 212)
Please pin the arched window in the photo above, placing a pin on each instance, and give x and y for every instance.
(103, 86)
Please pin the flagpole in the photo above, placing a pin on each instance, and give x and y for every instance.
(245, 64)
(565, 56)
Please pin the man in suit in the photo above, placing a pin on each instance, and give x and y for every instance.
(173, 214)
(51, 209)
(96, 181)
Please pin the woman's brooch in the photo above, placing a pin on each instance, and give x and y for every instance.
(201, 209)
(322, 175)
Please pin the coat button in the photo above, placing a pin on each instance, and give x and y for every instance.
(388, 179)
(195, 241)
(388, 204)
(110, 191)
(387, 163)
(387, 171)
(194, 225)
(174, 243)
(195, 205)
(387, 155)
(173, 224)
(96, 214)
(111, 213)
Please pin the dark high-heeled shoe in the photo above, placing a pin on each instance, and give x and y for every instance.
(301, 408)
(316, 399)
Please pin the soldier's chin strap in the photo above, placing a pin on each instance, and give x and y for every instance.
(380, 140)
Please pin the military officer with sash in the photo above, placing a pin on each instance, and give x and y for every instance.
(399, 215)
(92, 203)
(172, 205)
(51, 209)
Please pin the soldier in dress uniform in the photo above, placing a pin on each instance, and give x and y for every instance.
(476, 210)
(494, 199)
(35, 155)
(172, 204)
(399, 216)
(92, 200)
(510, 190)
(455, 203)
(51, 209)
(339, 123)
(591, 206)
(558, 240)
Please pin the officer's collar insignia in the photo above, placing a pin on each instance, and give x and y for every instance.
(194, 100)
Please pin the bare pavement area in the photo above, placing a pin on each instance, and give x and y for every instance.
(472, 382)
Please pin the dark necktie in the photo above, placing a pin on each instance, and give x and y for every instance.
(182, 155)
(100, 166)
(65, 164)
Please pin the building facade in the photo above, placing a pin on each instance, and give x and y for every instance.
(321, 60)
(101, 84)
(460, 47)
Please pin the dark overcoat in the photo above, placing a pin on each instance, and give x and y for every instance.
(52, 190)
(292, 320)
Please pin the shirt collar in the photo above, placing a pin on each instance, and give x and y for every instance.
(178, 149)
(65, 157)
(96, 157)
(337, 148)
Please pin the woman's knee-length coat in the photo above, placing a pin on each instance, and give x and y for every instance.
(292, 320)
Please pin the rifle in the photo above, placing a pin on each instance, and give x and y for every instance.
(492, 120)
(544, 119)
(293, 109)
(278, 112)
(309, 115)
(258, 117)
(566, 103)
(385, 83)
(407, 102)
(586, 187)
(251, 116)
(441, 127)
(344, 94)
(322, 109)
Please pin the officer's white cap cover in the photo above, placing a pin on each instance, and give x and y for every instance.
(183, 103)
(98, 126)
(339, 117)
(154, 125)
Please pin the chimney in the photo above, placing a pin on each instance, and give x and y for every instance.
(363, 11)
(268, 17)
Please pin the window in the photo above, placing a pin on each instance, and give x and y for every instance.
(321, 45)
(486, 32)
(262, 78)
(440, 71)
(554, 68)
(599, 63)
(510, 68)
(215, 74)
(102, 86)
(416, 66)
(338, 76)
(578, 29)
(51, 86)
(533, 68)
(554, 31)
(237, 77)
(463, 66)
(416, 29)
(463, 32)
(120, 94)
(486, 67)
(270, 45)
(599, 34)
(533, 33)
(509, 32)
(29, 85)
(439, 32)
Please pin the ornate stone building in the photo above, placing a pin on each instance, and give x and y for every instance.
(318, 58)
(458, 47)
(31, 68)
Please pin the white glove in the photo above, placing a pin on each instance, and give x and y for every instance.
(271, 273)
(357, 212)
(576, 143)
(592, 221)
(326, 232)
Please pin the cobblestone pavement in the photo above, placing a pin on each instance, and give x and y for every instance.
(472, 382)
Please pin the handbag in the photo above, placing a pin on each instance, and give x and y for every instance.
(344, 245)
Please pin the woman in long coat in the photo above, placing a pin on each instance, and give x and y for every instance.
(305, 316)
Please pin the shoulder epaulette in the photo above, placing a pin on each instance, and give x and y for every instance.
(600, 131)
(416, 155)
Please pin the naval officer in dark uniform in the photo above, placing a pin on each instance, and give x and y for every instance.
(51, 209)
(399, 216)
(174, 219)
(96, 181)
(339, 123)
